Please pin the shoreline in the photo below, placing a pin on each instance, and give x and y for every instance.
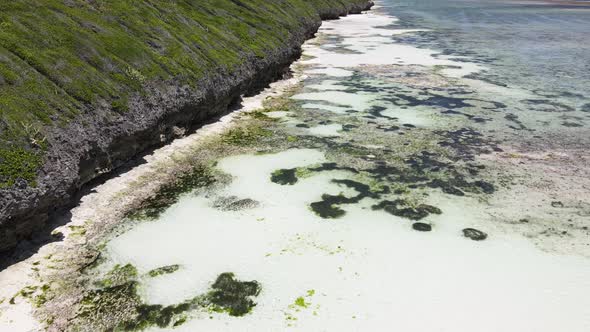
(99, 142)
(126, 190)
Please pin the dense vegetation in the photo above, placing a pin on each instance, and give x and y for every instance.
(62, 58)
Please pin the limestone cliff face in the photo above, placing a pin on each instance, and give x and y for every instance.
(136, 74)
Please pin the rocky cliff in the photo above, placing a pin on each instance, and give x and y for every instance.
(85, 86)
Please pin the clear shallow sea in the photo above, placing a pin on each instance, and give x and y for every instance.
(535, 45)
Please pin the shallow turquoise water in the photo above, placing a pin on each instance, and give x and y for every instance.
(543, 47)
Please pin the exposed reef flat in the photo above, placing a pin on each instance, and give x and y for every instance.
(424, 194)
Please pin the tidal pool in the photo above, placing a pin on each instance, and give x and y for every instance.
(366, 269)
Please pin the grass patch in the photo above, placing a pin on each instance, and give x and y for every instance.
(16, 164)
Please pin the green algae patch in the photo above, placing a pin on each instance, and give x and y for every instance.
(245, 136)
(77, 231)
(103, 308)
(260, 115)
(119, 275)
(163, 270)
(169, 194)
(300, 302)
(284, 176)
(36, 295)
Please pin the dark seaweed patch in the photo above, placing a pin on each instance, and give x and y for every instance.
(426, 161)
(375, 111)
(233, 296)
(348, 127)
(332, 167)
(453, 186)
(328, 208)
(572, 124)
(284, 176)
(388, 128)
(467, 143)
(514, 119)
(555, 94)
(157, 315)
(474, 234)
(541, 105)
(402, 208)
(486, 78)
(119, 307)
(432, 100)
(468, 116)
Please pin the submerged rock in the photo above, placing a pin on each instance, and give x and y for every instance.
(474, 234)
(422, 227)
(557, 204)
(234, 203)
